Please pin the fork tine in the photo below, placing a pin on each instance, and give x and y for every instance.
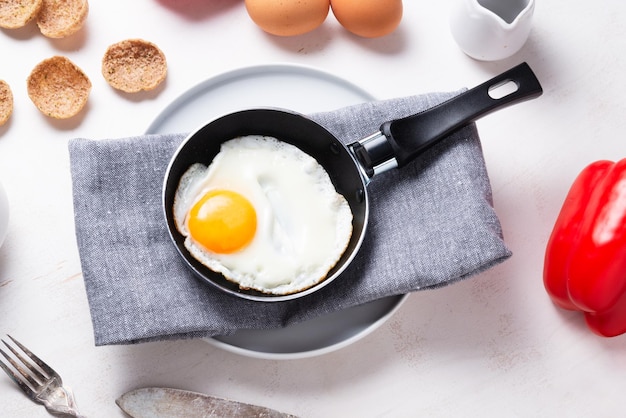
(39, 362)
(26, 388)
(33, 380)
(38, 380)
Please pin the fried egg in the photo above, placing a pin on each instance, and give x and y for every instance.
(264, 214)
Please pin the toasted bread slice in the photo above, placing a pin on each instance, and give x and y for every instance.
(61, 18)
(17, 13)
(134, 65)
(6, 102)
(58, 87)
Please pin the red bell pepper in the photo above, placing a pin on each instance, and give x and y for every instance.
(585, 259)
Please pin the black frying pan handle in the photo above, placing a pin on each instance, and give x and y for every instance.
(410, 136)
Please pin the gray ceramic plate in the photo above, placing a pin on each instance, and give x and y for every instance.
(305, 90)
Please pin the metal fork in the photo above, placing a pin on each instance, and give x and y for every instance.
(39, 381)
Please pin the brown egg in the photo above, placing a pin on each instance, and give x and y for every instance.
(288, 17)
(368, 18)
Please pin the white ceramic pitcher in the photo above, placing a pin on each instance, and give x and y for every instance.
(490, 30)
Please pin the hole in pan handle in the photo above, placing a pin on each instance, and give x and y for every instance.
(408, 137)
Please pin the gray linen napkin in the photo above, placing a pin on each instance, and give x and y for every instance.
(431, 223)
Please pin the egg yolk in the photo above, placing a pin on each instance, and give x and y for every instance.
(222, 221)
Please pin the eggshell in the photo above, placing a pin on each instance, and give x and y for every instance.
(368, 18)
(288, 17)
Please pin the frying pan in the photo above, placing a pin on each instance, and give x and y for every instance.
(350, 167)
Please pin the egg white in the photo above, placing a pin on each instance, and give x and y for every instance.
(303, 224)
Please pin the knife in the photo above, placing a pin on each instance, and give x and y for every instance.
(153, 402)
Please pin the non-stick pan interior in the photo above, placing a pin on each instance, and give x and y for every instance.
(204, 144)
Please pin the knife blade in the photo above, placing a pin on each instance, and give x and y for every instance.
(156, 402)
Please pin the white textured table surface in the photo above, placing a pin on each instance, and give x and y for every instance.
(491, 346)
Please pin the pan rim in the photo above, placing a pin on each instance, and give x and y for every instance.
(253, 295)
